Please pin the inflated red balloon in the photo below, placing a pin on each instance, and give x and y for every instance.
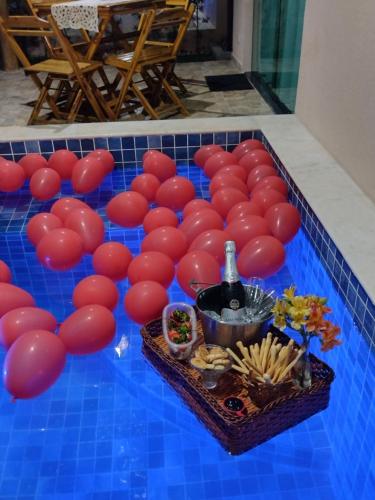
(41, 224)
(284, 221)
(221, 181)
(87, 174)
(205, 152)
(262, 256)
(200, 221)
(89, 225)
(151, 266)
(12, 176)
(112, 259)
(63, 162)
(33, 363)
(194, 206)
(96, 289)
(218, 161)
(235, 170)
(259, 173)
(127, 209)
(198, 266)
(62, 207)
(5, 272)
(224, 199)
(254, 158)
(105, 157)
(146, 185)
(243, 230)
(45, 183)
(60, 249)
(160, 165)
(175, 193)
(13, 297)
(242, 209)
(88, 330)
(31, 163)
(265, 198)
(167, 240)
(271, 182)
(246, 146)
(150, 152)
(212, 242)
(145, 301)
(158, 217)
(23, 319)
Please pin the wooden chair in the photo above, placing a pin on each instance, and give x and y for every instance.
(68, 73)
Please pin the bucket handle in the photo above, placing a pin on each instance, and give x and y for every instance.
(194, 285)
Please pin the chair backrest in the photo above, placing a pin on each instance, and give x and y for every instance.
(179, 3)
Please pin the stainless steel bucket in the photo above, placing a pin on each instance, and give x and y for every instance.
(219, 332)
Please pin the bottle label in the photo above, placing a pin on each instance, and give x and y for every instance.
(234, 304)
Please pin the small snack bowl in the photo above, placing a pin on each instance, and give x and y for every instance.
(179, 329)
(212, 361)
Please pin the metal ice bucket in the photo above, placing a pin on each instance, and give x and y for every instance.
(220, 332)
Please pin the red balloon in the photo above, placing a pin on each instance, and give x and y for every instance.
(254, 158)
(96, 289)
(194, 206)
(88, 330)
(60, 249)
(224, 199)
(247, 146)
(265, 198)
(33, 363)
(243, 230)
(221, 181)
(105, 157)
(151, 266)
(146, 185)
(150, 152)
(23, 319)
(112, 259)
(271, 182)
(262, 256)
(145, 301)
(45, 183)
(87, 174)
(284, 221)
(89, 225)
(63, 162)
(13, 297)
(199, 222)
(12, 176)
(158, 217)
(242, 209)
(197, 266)
(235, 170)
(175, 193)
(212, 242)
(127, 209)
(159, 165)
(62, 207)
(31, 163)
(218, 161)
(5, 272)
(41, 224)
(259, 173)
(205, 152)
(167, 240)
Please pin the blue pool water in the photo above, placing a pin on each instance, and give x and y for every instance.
(110, 428)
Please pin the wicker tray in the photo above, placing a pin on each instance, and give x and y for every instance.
(237, 434)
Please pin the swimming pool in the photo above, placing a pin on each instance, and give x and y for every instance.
(111, 428)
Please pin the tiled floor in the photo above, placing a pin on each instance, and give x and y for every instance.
(16, 90)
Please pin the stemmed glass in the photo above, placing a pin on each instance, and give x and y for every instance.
(258, 298)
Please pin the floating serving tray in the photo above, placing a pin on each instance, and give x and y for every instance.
(237, 434)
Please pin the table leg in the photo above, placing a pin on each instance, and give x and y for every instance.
(95, 41)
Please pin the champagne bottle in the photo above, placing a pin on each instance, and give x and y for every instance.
(232, 290)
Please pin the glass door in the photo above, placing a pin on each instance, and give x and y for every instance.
(277, 35)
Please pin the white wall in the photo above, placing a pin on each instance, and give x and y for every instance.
(242, 33)
(336, 91)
